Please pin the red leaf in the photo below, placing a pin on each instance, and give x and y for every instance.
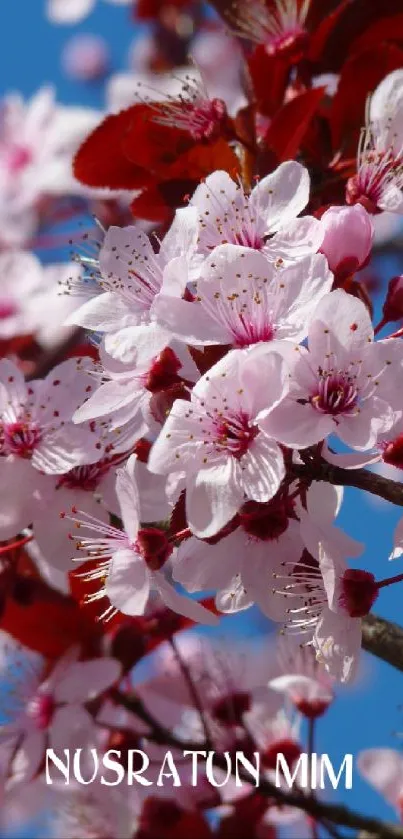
(101, 160)
(151, 145)
(357, 17)
(262, 67)
(321, 34)
(388, 29)
(289, 126)
(360, 76)
(158, 202)
(46, 621)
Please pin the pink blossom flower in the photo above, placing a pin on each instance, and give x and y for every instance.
(37, 436)
(383, 769)
(51, 709)
(280, 27)
(228, 215)
(216, 439)
(345, 383)
(378, 183)
(131, 277)
(30, 300)
(125, 396)
(336, 598)
(348, 239)
(91, 489)
(132, 559)
(37, 142)
(243, 299)
(246, 565)
(302, 678)
(229, 682)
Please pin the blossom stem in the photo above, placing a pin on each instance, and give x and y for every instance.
(181, 535)
(18, 544)
(187, 676)
(380, 325)
(390, 580)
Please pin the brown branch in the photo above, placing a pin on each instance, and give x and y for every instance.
(383, 639)
(320, 470)
(335, 814)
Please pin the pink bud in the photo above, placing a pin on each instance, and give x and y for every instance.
(85, 58)
(393, 305)
(348, 239)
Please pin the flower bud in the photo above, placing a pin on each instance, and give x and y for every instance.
(348, 239)
(393, 305)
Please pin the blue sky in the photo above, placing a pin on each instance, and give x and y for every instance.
(366, 715)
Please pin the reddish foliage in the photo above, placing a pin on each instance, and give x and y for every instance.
(291, 122)
(360, 76)
(46, 621)
(131, 150)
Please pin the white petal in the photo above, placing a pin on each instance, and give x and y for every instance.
(281, 196)
(213, 496)
(199, 566)
(183, 605)
(84, 680)
(128, 497)
(337, 640)
(128, 583)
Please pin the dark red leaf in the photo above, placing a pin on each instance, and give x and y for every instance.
(360, 76)
(357, 17)
(322, 32)
(101, 161)
(263, 67)
(46, 621)
(289, 126)
(388, 29)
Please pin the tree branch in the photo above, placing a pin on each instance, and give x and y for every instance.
(320, 470)
(335, 814)
(383, 639)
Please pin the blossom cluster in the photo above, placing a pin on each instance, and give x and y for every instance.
(180, 402)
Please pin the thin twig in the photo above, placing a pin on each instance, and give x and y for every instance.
(187, 676)
(331, 813)
(320, 470)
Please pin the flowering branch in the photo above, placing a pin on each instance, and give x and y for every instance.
(325, 813)
(320, 470)
(383, 639)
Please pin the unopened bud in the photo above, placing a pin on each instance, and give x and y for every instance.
(348, 239)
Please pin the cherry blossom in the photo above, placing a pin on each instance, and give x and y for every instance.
(343, 384)
(246, 565)
(37, 141)
(51, 708)
(378, 183)
(280, 28)
(131, 277)
(30, 302)
(242, 299)
(228, 215)
(38, 438)
(302, 679)
(336, 598)
(348, 239)
(217, 438)
(383, 769)
(132, 559)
